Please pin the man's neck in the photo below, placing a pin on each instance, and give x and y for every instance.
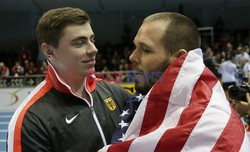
(77, 85)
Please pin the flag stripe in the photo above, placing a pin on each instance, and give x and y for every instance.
(190, 116)
(245, 146)
(158, 109)
(135, 126)
(14, 129)
(119, 147)
(205, 134)
(230, 139)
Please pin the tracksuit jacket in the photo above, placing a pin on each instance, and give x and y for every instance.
(54, 119)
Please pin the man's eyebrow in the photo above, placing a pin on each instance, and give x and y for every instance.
(79, 38)
(144, 44)
(83, 38)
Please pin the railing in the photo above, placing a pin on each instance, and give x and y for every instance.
(20, 81)
(111, 76)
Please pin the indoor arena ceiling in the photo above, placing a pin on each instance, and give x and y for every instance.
(117, 5)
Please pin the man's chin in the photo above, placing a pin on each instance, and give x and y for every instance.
(142, 87)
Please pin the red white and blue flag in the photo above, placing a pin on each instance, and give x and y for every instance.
(127, 117)
(186, 111)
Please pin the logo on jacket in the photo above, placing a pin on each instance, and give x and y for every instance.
(69, 121)
(110, 103)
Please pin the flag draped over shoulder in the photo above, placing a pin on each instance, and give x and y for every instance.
(126, 117)
(186, 111)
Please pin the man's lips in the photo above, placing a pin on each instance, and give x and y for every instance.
(91, 61)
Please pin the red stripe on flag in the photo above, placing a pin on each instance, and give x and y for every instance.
(159, 98)
(120, 147)
(232, 136)
(174, 139)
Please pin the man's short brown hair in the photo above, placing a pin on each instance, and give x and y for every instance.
(180, 31)
(51, 25)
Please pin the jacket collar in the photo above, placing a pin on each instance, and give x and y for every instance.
(59, 84)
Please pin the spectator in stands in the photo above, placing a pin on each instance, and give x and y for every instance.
(122, 65)
(17, 69)
(210, 61)
(70, 110)
(180, 110)
(246, 71)
(229, 49)
(32, 68)
(44, 68)
(228, 70)
(4, 70)
(241, 56)
(114, 66)
(26, 66)
(240, 59)
(29, 68)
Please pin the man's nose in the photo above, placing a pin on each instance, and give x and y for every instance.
(92, 50)
(134, 58)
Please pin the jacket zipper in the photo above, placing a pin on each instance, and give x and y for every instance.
(98, 125)
(95, 117)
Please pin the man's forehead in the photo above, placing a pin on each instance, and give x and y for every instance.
(150, 31)
(78, 30)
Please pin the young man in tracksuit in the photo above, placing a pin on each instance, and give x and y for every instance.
(70, 110)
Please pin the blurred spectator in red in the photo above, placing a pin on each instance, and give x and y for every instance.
(17, 69)
(43, 68)
(26, 66)
(4, 70)
(32, 68)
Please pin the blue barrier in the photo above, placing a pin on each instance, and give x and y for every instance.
(4, 122)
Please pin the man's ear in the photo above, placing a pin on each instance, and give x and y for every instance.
(48, 51)
(180, 53)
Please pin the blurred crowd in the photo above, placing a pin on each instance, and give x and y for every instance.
(228, 46)
(110, 58)
(230, 54)
(21, 64)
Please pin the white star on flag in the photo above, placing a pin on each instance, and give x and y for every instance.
(121, 139)
(139, 97)
(124, 113)
(123, 124)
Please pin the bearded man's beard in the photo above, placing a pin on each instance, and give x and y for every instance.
(143, 87)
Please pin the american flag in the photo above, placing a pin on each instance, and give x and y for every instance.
(126, 117)
(187, 111)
